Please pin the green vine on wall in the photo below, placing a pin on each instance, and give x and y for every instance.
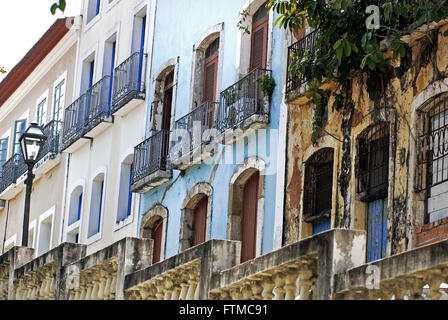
(350, 33)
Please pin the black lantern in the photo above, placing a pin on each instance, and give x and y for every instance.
(31, 143)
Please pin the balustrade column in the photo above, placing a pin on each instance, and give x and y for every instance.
(235, 293)
(268, 286)
(168, 284)
(256, 290)
(160, 288)
(290, 284)
(279, 290)
(305, 282)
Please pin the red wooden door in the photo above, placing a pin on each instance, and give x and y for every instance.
(157, 238)
(249, 219)
(259, 41)
(210, 71)
(200, 221)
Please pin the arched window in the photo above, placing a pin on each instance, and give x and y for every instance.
(373, 180)
(259, 38)
(246, 210)
(96, 205)
(74, 214)
(432, 157)
(153, 227)
(124, 192)
(210, 71)
(373, 162)
(318, 190)
(196, 216)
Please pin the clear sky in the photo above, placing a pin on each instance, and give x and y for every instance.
(22, 23)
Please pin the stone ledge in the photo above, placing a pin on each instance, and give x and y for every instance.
(414, 261)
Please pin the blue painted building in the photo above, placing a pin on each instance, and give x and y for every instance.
(209, 166)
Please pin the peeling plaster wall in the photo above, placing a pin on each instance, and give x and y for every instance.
(374, 100)
(194, 18)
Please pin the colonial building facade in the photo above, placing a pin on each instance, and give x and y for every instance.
(185, 167)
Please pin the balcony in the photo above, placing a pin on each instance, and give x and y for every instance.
(129, 84)
(244, 107)
(88, 116)
(298, 49)
(195, 133)
(11, 171)
(151, 166)
(15, 168)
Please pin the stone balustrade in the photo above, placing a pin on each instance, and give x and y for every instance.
(96, 283)
(4, 280)
(413, 275)
(296, 280)
(181, 283)
(38, 285)
(330, 265)
(302, 270)
(187, 276)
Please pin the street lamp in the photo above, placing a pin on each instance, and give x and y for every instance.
(31, 143)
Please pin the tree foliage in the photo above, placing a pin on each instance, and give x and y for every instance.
(345, 45)
(61, 4)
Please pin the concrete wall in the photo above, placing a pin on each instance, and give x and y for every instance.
(411, 82)
(176, 31)
(109, 148)
(48, 189)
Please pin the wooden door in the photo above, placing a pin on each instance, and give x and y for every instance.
(200, 221)
(249, 219)
(157, 238)
(210, 71)
(376, 230)
(259, 40)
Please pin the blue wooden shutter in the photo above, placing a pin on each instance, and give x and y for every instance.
(376, 230)
(19, 128)
(142, 48)
(101, 205)
(130, 192)
(79, 206)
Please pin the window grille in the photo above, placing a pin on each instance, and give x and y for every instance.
(432, 145)
(373, 162)
(318, 185)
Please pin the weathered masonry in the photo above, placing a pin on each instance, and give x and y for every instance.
(379, 165)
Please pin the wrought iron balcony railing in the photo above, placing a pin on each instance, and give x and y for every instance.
(151, 155)
(87, 111)
(242, 100)
(192, 127)
(15, 167)
(51, 146)
(302, 46)
(9, 172)
(129, 81)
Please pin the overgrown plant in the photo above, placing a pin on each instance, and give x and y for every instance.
(350, 32)
(61, 4)
(268, 85)
(2, 70)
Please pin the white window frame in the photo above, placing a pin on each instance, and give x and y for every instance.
(43, 97)
(77, 226)
(43, 217)
(92, 51)
(88, 25)
(58, 81)
(33, 226)
(110, 5)
(97, 236)
(12, 240)
(134, 201)
(115, 31)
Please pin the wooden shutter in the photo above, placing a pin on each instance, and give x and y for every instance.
(210, 71)
(200, 221)
(249, 220)
(209, 83)
(157, 237)
(259, 42)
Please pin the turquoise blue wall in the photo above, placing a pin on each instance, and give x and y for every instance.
(179, 25)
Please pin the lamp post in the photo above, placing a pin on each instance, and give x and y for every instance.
(31, 143)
